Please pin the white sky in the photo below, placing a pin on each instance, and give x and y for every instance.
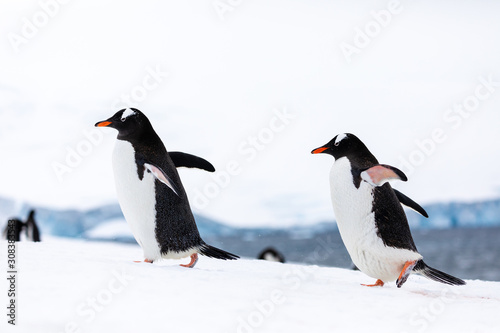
(210, 86)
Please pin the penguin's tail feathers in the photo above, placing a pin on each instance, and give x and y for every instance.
(213, 252)
(433, 274)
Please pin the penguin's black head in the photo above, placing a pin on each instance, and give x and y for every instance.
(129, 122)
(343, 145)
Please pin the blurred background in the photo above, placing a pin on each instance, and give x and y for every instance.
(253, 87)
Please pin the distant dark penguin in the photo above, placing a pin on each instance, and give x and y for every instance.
(151, 194)
(271, 254)
(13, 230)
(32, 232)
(370, 217)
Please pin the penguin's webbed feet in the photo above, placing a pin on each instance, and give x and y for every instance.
(379, 283)
(405, 272)
(194, 260)
(145, 260)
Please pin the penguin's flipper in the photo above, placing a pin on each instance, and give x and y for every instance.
(190, 161)
(161, 176)
(379, 174)
(403, 199)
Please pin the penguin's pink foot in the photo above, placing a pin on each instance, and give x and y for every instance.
(405, 272)
(145, 260)
(379, 283)
(194, 260)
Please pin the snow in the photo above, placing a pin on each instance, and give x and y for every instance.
(76, 286)
(111, 229)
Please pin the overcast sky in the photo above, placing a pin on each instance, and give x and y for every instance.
(252, 86)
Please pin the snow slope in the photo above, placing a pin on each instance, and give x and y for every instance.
(77, 286)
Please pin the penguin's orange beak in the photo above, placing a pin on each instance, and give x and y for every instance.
(103, 124)
(319, 150)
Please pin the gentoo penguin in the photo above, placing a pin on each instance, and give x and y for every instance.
(15, 227)
(32, 232)
(151, 194)
(13, 230)
(271, 254)
(370, 217)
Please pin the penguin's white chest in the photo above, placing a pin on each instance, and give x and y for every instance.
(137, 198)
(353, 209)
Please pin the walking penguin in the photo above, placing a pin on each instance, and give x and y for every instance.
(370, 217)
(151, 194)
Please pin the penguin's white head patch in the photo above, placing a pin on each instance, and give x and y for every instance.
(339, 138)
(127, 113)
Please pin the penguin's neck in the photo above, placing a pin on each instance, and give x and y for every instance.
(146, 145)
(145, 137)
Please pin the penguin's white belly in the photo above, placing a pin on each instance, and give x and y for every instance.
(356, 223)
(137, 198)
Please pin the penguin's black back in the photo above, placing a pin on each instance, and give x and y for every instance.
(390, 219)
(176, 229)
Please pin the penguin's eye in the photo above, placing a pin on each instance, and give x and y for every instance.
(337, 144)
(123, 119)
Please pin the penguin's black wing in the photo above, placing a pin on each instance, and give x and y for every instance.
(380, 173)
(190, 161)
(410, 203)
